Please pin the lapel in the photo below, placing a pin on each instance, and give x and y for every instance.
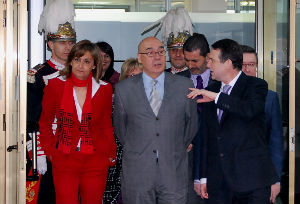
(141, 94)
(214, 86)
(239, 85)
(143, 97)
(167, 92)
(210, 80)
(237, 90)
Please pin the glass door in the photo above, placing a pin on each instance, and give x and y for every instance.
(280, 51)
(279, 71)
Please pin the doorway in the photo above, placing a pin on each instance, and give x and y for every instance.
(13, 67)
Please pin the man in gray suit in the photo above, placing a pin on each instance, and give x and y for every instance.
(155, 123)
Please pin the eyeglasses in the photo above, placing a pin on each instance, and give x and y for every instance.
(153, 53)
(251, 64)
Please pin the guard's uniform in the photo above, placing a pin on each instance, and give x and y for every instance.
(37, 78)
(41, 191)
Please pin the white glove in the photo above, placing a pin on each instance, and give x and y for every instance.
(29, 145)
(41, 164)
(41, 157)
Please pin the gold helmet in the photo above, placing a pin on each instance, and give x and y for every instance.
(57, 21)
(65, 32)
(177, 42)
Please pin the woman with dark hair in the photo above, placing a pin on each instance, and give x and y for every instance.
(83, 146)
(113, 184)
(108, 73)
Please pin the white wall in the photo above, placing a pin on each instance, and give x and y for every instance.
(36, 44)
(122, 30)
(209, 6)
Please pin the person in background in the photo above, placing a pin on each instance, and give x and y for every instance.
(155, 123)
(109, 74)
(174, 36)
(175, 52)
(83, 146)
(60, 42)
(130, 68)
(113, 184)
(273, 119)
(195, 50)
(236, 167)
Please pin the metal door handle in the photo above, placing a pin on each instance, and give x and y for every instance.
(12, 147)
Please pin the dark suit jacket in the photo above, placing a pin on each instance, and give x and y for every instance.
(274, 130)
(236, 149)
(185, 73)
(197, 140)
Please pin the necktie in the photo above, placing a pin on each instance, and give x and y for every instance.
(199, 86)
(226, 88)
(155, 100)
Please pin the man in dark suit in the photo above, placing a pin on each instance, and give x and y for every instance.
(273, 119)
(155, 123)
(236, 167)
(195, 50)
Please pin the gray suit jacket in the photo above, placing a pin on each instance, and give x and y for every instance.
(142, 133)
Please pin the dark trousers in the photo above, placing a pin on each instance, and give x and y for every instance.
(225, 195)
(46, 191)
(192, 197)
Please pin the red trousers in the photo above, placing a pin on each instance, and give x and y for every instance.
(79, 174)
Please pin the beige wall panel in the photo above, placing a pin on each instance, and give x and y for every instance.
(270, 26)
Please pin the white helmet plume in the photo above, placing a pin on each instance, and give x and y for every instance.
(56, 12)
(175, 21)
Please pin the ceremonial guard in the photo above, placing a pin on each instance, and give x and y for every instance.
(176, 27)
(57, 22)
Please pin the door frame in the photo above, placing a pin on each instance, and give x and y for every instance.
(13, 68)
(22, 70)
(292, 100)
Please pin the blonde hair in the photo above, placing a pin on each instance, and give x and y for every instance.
(128, 66)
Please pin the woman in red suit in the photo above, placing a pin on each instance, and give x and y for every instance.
(83, 146)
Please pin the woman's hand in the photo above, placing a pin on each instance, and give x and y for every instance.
(112, 161)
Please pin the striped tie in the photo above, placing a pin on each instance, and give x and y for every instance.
(155, 100)
(226, 89)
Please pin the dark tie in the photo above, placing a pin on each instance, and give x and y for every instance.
(199, 86)
(225, 90)
(155, 100)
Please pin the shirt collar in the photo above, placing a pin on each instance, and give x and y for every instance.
(205, 74)
(148, 80)
(58, 65)
(233, 81)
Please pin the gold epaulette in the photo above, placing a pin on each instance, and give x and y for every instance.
(31, 73)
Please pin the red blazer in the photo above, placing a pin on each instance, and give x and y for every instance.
(101, 124)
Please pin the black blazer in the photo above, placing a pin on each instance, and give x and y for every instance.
(236, 149)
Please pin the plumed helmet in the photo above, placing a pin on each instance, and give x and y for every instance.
(176, 26)
(57, 20)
